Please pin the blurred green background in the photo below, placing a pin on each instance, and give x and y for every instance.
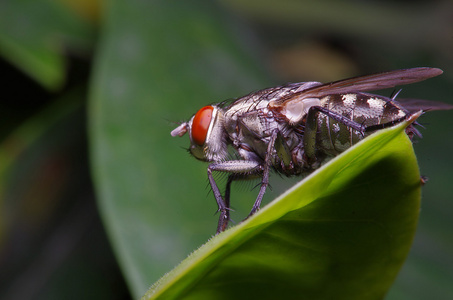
(91, 90)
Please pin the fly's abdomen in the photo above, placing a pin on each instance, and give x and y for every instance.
(372, 111)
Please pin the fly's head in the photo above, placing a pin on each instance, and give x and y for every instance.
(208, 140)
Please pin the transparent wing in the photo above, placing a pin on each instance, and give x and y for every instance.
(414, 105)
(372, 82)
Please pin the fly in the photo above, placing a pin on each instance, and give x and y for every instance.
(293, 129)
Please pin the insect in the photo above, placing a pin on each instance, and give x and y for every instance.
(293, 129)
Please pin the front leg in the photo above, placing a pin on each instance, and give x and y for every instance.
(241, 168)
(234, 167)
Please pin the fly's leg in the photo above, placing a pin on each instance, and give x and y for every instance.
(311, 127)
(240, 168)
(225, 214)
(282, 150)
(265, 180)
(223, 207)
(310, 131)
(385, 125)
(234, 167)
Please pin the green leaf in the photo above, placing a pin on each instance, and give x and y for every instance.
(152, 195)
(35, 34)
(342, 233)
(172, 59)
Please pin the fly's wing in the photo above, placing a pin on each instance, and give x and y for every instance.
(414, 105)
(372, 82)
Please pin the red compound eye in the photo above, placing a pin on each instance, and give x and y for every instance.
(200, 124)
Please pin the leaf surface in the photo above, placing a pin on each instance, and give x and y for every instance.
(342, 233)
(34, 36)
(148, 75)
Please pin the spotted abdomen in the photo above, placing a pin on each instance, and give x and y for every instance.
(369, 110)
